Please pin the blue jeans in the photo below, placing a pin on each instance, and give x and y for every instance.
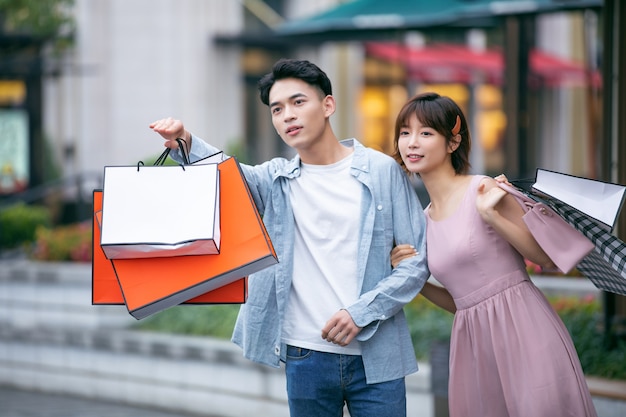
(318, 385)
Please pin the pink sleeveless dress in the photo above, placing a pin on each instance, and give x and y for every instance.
(510, 353)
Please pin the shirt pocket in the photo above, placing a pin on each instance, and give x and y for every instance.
(382, 237)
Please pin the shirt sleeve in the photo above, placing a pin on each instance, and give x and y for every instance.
(405, 282)
(199, 150)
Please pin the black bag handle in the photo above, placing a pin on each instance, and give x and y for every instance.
(161, 159)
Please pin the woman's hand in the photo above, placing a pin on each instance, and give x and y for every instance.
(401, 252)
(507, 220)
(503, 178)
(487, 199)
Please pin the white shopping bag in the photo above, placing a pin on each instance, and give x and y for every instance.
(600, 200)
(160, 211)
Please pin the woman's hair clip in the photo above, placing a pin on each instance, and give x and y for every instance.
(457, 126)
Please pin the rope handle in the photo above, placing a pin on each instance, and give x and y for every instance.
(161, 159)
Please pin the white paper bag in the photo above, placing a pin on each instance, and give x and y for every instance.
(160, 211)
(600, 200)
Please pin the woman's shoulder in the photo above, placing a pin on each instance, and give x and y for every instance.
(480, 179)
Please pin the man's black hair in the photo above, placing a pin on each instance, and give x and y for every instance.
(293, 68)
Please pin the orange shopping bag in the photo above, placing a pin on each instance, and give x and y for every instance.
(150, 285)
(105, 288)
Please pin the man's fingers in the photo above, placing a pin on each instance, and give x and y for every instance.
(340, 329)
(169, 129)
(339, 338)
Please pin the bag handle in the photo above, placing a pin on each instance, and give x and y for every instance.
(161, 159)
(526, 202)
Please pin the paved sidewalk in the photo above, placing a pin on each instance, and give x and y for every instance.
(19, 403)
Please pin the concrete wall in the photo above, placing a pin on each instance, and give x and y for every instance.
(138, 61)
(53, 340)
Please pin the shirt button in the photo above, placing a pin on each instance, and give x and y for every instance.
(379, 207)
(383, 317)
(277, 350)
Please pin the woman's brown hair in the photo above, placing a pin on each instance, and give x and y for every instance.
(439, 113)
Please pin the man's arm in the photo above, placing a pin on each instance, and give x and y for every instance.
(394, 291)
(171, 129)
(259, 177)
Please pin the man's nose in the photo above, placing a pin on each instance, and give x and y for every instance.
(288, 113)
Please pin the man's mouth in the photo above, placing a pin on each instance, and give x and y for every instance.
(292, 130)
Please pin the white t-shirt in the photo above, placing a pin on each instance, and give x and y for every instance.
(326, 202)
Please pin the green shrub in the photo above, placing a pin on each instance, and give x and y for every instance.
(201, 320)
(428, 324)
(19, 222)
(584, 321)
(63, 243)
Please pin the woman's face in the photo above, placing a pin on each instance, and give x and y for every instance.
(422, 148)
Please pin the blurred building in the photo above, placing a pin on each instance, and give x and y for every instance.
(199, 60)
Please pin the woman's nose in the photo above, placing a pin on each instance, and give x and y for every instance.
(413, 141)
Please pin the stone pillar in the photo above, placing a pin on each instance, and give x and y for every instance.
(614, 145)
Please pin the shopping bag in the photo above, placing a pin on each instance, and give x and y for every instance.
(592, 207)
(565, 245)
(599, 200)
(139, 201)
(150, 285)
(105, 287)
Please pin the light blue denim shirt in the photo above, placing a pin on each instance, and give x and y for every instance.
(390, 213)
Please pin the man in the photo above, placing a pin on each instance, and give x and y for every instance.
(331, 309)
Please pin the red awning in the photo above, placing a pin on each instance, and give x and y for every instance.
(441, 63)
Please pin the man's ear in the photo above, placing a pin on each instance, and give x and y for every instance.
(329, 105)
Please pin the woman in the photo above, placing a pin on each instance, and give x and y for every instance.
(510, 353)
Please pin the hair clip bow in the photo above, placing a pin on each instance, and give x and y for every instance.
(457, 126)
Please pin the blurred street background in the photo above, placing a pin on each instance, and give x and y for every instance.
(19, 403)
(542, 82)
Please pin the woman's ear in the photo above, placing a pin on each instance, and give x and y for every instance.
(454, 143)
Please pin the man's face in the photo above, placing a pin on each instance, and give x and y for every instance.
(299, 113)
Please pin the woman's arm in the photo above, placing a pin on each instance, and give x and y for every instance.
(439, 296)
(436, 294)
(502, 212)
